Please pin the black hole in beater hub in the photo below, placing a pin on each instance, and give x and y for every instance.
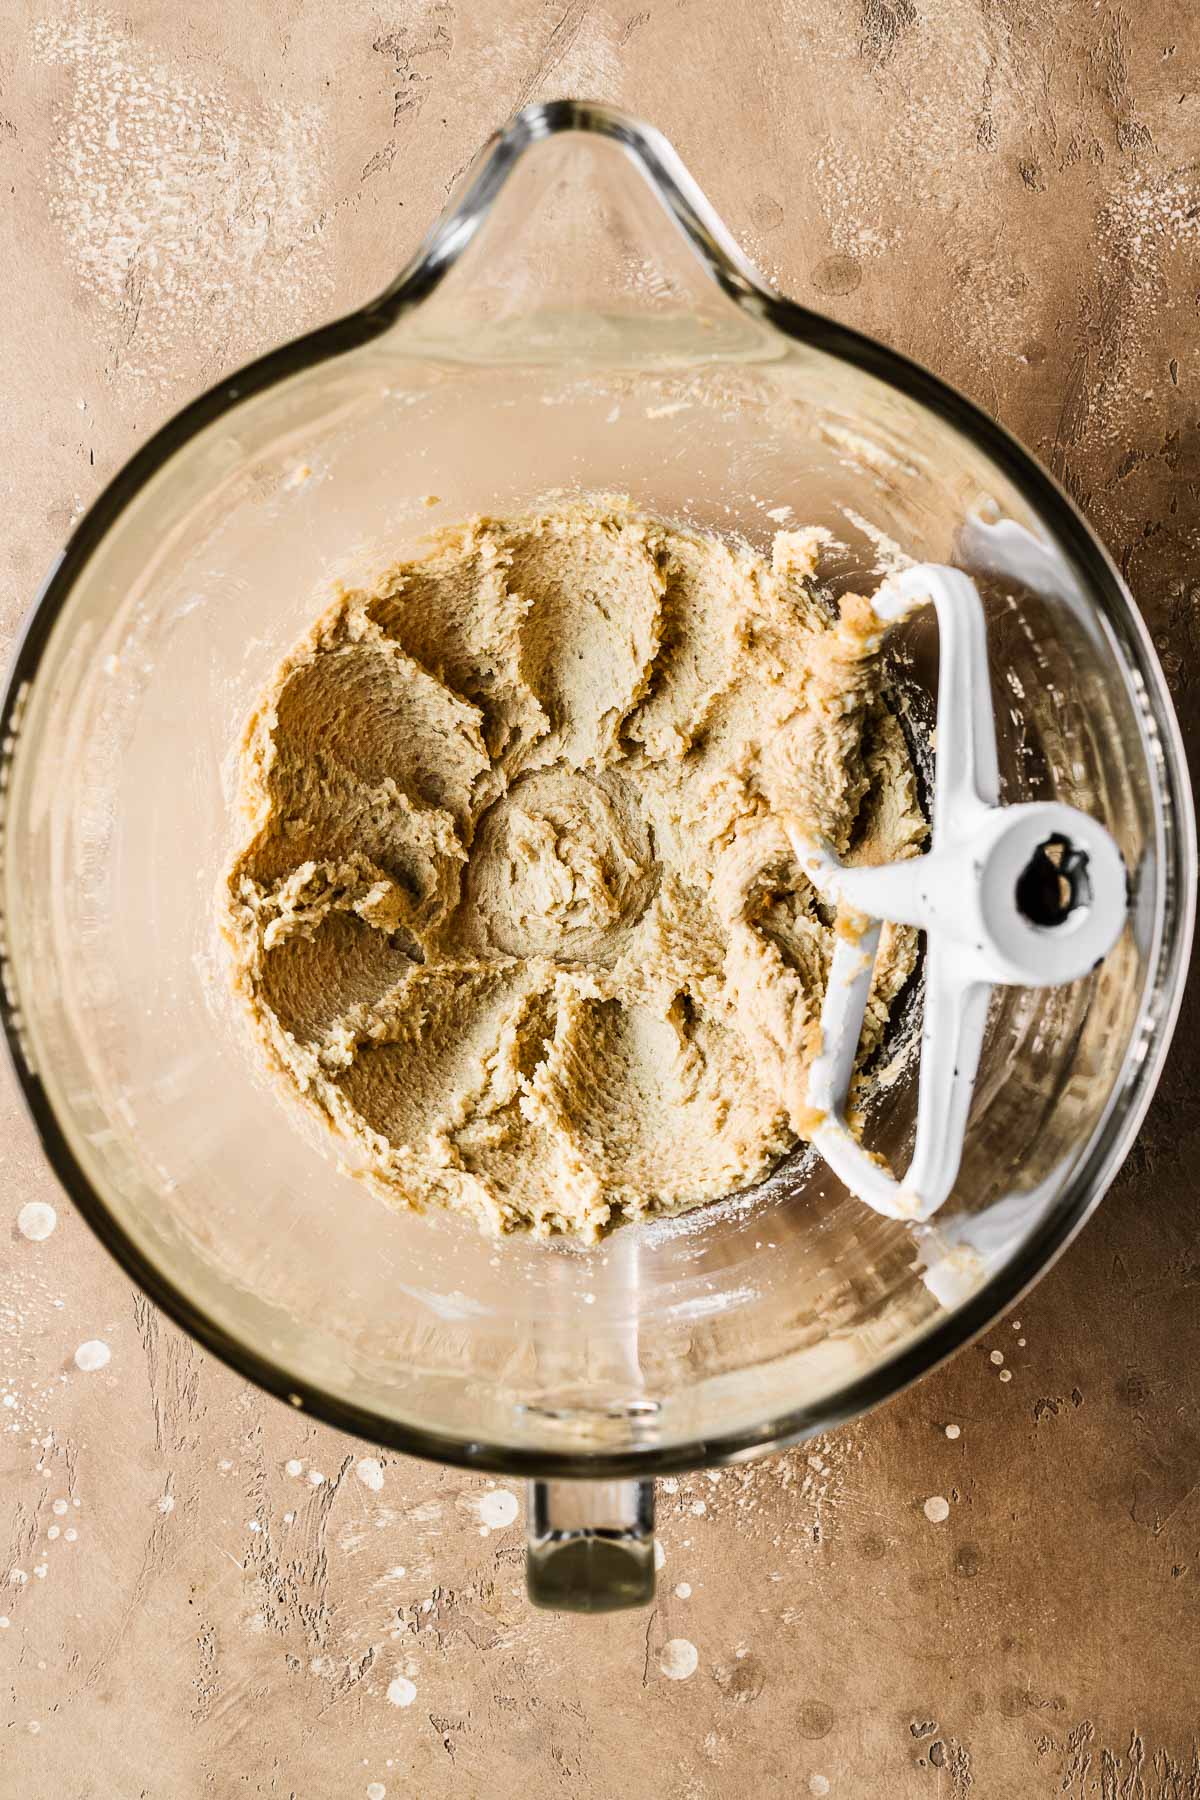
(1054, 882)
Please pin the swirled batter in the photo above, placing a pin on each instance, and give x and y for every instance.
(516, 911)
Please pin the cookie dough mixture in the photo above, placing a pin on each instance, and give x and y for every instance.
(516, 911)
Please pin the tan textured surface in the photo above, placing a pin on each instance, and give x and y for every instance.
(1008, 191)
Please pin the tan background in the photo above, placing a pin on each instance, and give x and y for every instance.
(1007, 190)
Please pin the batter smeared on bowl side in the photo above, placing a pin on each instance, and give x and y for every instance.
(516, 912)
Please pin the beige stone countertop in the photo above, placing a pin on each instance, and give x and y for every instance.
(1010, 193)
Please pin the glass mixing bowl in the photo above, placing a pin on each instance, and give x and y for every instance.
(578, 319)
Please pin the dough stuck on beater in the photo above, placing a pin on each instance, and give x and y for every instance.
(515, 912)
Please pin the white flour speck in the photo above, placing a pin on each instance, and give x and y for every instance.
(92, 1356)
(316, 1477)
(937, 1509)
(679, 1659)
(376, 1791)
(818, 1784)
(176, 200)
(54, 1532)
(401, 1691)
(1006, 1374)
(953, 1431)
(498, 1509)
(36, 1221)
(17, 1577)
(71, 1534)
(166, 1503)
(660, 1555)
(890, 559)
(683, 1590)
(370, 1473)
(293, 1466)
(59, 1507)
(996, 1357)
(5, 1622)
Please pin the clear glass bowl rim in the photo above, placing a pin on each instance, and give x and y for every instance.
(1175, 849)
